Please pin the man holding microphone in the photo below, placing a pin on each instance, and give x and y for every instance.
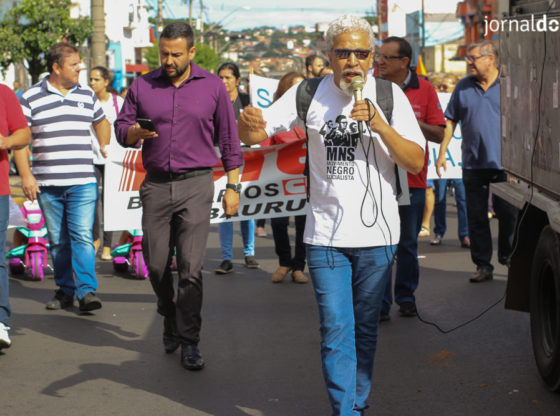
(352, 223)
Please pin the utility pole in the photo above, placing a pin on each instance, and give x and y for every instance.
(201, 22)
(159, 24)
(423, 30)
(190, 13)
(98, 36)
(379, 22)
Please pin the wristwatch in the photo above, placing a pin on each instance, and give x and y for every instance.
(236, 187)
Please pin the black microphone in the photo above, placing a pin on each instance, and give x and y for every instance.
(357, 87)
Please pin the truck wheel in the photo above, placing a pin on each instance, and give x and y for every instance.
(545, 307)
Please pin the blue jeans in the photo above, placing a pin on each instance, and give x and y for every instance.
(226, 238)
(349, 285)
(5, 310)
(408, 269)
(69, 212)
(440, 207)
(477, 187)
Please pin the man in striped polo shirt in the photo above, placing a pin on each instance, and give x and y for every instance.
(60, 113)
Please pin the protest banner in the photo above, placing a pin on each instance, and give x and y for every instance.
(262, 90)
(273, 185)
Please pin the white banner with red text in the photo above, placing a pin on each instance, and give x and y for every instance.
(272, 181)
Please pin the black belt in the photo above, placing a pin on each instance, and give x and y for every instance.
(173, 176)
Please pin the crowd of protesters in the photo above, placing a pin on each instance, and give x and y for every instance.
(71, 128)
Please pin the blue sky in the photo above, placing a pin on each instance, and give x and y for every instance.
(281, 13)
(268, 12)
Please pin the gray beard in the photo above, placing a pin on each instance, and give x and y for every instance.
(345, 87)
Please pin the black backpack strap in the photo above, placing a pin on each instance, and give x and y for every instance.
(305, 92)
(384, 97)
(304, 95)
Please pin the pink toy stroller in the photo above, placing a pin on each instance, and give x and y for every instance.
(130, 254)
(33, 255)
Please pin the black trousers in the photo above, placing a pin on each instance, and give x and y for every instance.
(477, 188)
(282, 242)
(176, 216)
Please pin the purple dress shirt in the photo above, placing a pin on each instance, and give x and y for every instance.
(186, 119)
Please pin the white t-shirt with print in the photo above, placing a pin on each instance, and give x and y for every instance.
(346, 207)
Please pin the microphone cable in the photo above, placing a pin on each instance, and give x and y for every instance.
(368, 188)
(357, 84)
(377, 206)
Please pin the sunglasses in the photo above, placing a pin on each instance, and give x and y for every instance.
(361, 54)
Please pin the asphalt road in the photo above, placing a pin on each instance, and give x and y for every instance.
(261, 344)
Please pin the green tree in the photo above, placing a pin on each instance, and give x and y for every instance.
(151, 55)
(371, 18)
(29, 29)
(270, 54)
(206, 57)
(248, 57)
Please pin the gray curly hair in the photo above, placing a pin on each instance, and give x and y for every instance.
(348, 23)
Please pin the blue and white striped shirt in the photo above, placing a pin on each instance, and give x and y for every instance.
(60, 127)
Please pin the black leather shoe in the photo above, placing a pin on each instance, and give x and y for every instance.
(170, 336)
(506, 261)
(60, 301)
(251, 263)
(191, 358)
(225, 267)
(481, 275)
(407, 309)
(90, 302)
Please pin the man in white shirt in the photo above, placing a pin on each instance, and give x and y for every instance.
(352, 223)
(60, 113)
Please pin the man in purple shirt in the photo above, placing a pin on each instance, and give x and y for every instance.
(188, 107)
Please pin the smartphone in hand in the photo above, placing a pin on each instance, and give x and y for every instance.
(146, 123)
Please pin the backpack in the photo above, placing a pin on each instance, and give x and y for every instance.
(384, 97)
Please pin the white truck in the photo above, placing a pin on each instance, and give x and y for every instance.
(530, 130)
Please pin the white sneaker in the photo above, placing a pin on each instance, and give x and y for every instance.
(5, 341)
